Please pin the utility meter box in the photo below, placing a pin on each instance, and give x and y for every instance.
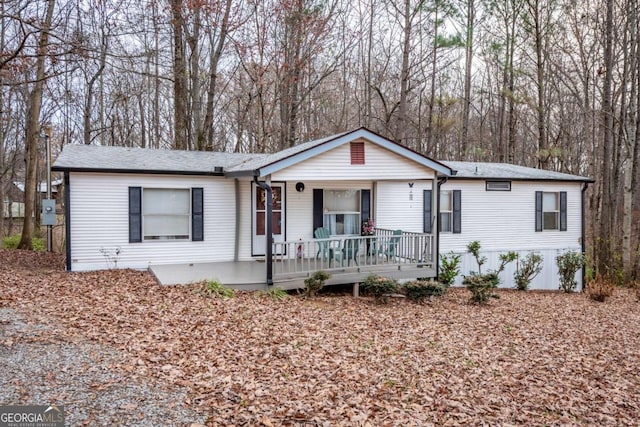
(48, 212)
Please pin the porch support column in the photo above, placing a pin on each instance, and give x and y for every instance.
(436, 183)
(236, 243)
(67, 219)
(269, 226)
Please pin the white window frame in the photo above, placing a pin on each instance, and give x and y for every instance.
(327, 212)
(447, 213)
(555, 212)
(146, 216)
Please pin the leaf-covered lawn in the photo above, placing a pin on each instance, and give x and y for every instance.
(527, 358)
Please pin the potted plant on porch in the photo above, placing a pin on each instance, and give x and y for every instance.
(368, 229)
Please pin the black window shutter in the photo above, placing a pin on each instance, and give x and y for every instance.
(135, 214)
(197, 215)
(365, 204)
(426, 211)
(563, 211)
(457, 211)
(318, 200)
(538, 210)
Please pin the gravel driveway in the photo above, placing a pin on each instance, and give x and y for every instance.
(40, 368)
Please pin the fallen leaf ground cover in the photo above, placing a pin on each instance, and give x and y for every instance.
(528, 358)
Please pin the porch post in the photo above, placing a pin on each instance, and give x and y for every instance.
(236, 243)
(269, 227)
(436, 183)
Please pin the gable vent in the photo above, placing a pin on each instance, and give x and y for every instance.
(357, 153)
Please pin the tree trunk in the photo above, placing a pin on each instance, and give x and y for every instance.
(2, 116)
(543, 149)
(631, 165)
(180, 119)
(88, 106)
(194, 107)
(369, 82)
(207, 133)
(606, 214)
(404, 75)
(466, 102)
(32, 134)
(430, 151)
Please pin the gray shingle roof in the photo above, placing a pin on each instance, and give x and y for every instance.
(484, 170)
(121, 159)
(98, 158)
(266, 159)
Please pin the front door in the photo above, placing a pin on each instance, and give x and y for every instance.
(260, 217)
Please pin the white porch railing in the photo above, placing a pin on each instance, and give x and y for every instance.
(354, 253)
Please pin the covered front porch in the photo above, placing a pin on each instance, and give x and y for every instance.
(349, 259)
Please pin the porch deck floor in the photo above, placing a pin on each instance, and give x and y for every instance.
(251, 275)
(239, 273)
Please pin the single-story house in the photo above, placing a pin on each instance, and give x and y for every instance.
(352, 204)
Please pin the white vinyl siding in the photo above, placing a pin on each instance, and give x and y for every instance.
(505, 221)
(99, 221)
(399, 206)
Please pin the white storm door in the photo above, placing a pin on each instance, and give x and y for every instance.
(259, 207)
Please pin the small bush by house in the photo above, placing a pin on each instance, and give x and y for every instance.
(420, 290)
(379, 287)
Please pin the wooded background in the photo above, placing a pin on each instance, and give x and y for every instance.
(542, 83)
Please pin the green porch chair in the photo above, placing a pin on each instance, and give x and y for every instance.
(390, 250)
(324, 249)
(349, 251)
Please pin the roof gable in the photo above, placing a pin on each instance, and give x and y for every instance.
(283, 159)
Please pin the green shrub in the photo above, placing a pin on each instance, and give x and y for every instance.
(530, 267)
(379, 287)
(275, 293)
(315, 282)
(506, 259)
(216, 289)
(482, 286)
(12, 242)
(474, 249)
(419, 290)
(449, 268)
(568, 264)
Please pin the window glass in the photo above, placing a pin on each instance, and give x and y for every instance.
(550, 220)
(550, 211)
(166, 213)
(498, 185)
(549, 202)
(446, 211)
(261, 211)
(342, 211)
